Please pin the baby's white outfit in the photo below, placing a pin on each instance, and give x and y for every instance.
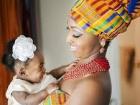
(21, 85)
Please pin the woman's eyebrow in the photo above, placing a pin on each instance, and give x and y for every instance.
(73, 27)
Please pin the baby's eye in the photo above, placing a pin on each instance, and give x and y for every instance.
(41, 65)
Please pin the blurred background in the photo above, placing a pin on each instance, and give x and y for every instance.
(45, 21)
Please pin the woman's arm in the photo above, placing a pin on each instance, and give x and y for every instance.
(89, 92)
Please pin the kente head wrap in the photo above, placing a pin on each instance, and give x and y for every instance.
(105, 18)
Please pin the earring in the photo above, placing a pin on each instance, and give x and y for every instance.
(103, 42)
(102, 50)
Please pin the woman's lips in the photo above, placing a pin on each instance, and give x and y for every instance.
(73, 48)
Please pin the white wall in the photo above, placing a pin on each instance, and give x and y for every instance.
(114, 58)
(53, 23)
(53, 29)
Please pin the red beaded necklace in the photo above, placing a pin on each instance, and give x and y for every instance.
(91, 67)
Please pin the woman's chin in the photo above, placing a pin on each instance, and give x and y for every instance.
(76, 55)
(80, 56)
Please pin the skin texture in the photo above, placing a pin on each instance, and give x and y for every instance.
(90, 89)
(31, 71)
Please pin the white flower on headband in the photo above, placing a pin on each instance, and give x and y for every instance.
(23, 48)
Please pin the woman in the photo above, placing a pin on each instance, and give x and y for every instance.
(92, 24)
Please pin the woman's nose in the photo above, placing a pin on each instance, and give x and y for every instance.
(69, 38)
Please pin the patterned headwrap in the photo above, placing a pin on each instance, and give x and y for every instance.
(104, 18)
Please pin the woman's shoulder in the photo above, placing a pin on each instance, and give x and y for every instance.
(91, 86)
(99, 83)
(99, 79)
(91, 90)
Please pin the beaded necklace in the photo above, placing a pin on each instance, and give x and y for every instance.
(91, 67)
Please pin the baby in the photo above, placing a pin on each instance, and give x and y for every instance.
(30, 85)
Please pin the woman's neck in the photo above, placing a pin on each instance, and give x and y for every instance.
(91, 57)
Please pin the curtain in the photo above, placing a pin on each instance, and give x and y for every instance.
(16, 17)
(10, 27)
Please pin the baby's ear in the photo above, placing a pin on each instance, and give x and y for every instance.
(22, 72)
(20, 68)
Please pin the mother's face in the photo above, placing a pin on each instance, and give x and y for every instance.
(82, 44)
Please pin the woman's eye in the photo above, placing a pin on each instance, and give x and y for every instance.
(77, 34)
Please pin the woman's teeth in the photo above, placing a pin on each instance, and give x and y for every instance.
(73, 48)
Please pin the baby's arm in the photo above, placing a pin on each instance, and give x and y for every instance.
(30, 99)
(25, 98)
(58, 72)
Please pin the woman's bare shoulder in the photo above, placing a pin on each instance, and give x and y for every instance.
(90, 91)
(94, 82)
(98, 82)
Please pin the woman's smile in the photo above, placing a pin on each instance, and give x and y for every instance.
(73, 48)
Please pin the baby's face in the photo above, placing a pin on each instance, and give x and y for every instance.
(35, 69)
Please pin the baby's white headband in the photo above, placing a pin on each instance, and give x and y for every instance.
(23, 48)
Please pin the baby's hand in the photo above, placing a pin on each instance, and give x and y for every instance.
(73, 64)
(52, 87)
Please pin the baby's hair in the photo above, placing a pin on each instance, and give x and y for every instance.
(7, 58)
